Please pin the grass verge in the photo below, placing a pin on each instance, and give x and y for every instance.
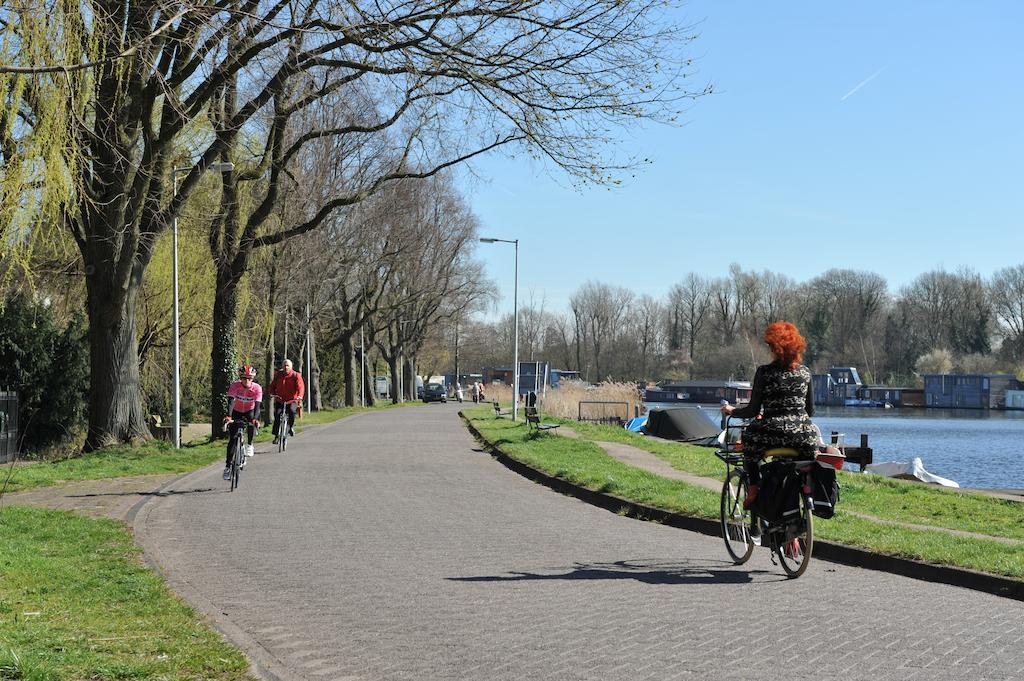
(75, 603)
(583, 463)
(150, 459)
(886, 498)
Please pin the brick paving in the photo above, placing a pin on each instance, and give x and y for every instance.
(388, 546)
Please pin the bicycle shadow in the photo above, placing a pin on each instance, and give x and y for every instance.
(648, 572)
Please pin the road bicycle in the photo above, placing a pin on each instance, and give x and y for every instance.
(790, 535)
(237, 445)
(284, 422)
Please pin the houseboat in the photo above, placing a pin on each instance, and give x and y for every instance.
(968, 391)
(698, 392)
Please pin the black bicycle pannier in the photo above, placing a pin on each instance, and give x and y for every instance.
(779, 496)
(825, 490)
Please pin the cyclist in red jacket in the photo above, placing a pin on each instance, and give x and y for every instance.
(288, 390)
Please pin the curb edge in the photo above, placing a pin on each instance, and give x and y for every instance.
(996, 585)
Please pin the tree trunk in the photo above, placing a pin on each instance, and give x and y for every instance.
(393, 368)
(223, 353)
(314, 378)
(693, 349)
(368, 383)
(115, 397)
(409, 379)
(349, 367)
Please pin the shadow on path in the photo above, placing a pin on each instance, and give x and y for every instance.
(642, 571)
(168, 493)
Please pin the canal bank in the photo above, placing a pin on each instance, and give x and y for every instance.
(965, 557)
(979, 449)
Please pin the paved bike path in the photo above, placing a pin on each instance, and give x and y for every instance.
(388, 546)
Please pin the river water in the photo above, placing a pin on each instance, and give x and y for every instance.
(976, 448)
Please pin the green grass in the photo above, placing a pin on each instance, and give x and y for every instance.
(151, 459)
(586, 464)
(583, 463)
(885, 498)
(76, 604)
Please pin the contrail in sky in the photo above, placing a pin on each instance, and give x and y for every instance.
(864, 82)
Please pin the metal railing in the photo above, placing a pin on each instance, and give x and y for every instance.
(604, 412)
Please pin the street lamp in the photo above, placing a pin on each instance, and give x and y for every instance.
(515, 332)
(220, 168)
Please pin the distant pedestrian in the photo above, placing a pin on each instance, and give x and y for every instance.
(479, 387)
(458, 392)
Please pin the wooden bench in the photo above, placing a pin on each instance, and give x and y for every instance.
(498, 413)
(161, 432)
(533, 420)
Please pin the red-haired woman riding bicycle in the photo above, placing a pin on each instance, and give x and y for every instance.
(782, 397)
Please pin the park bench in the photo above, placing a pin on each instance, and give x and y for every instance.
(160, 431)
(533, 420)
(498, 413)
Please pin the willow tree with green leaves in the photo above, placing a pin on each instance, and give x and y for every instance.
(40, 98)
(155, 85)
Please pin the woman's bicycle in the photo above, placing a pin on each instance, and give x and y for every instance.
(789, 532)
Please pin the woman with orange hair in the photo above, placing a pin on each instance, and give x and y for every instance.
(782, 397)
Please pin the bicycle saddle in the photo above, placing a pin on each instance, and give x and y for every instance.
(783, 451)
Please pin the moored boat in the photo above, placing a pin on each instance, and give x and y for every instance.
(914, 470)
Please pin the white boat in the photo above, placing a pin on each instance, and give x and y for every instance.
(908, 471)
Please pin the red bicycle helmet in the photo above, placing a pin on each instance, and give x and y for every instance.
(247, 371)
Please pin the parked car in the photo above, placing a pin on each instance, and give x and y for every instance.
(435, 392)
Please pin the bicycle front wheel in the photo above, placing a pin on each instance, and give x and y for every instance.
(735, 519)
(236, 461)
(795, 552)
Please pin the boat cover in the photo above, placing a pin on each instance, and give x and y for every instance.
(637, 424)
(686, 424)
(908, 471)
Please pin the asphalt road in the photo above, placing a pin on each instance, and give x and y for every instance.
(387, 546)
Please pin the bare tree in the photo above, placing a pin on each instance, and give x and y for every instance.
(601, 310)
(949, 310)
(647, 321)
(690, 307)
(556, 77)
(725, 310)
(1007, 294)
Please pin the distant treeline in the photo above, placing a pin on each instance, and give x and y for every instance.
(712, 327)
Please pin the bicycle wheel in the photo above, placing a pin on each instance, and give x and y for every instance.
(236, 458)
(795, 552)
(735, 519)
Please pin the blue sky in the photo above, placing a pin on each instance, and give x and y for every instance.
(878, 136)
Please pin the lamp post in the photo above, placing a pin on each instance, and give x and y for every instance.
(221, 168)
(515, 318)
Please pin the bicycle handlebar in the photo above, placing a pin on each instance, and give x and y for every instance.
(253, 422)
